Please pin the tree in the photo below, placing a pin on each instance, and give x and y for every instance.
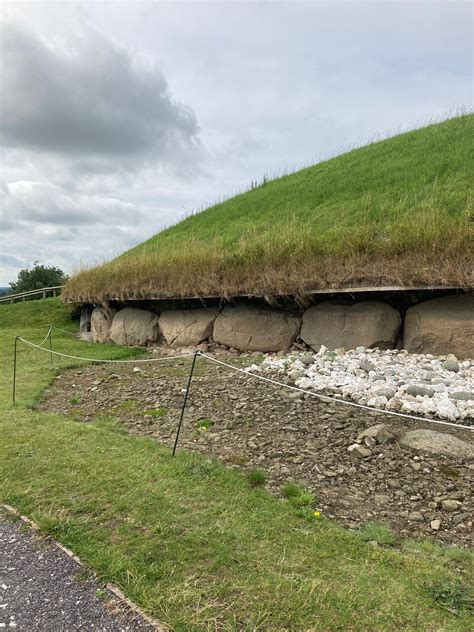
(37, 277)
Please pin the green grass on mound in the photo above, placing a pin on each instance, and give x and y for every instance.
(397, 211)
(192, 542)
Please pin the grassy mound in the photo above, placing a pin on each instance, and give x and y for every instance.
(394, 212)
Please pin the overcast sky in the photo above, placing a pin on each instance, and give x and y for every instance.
(117, 119)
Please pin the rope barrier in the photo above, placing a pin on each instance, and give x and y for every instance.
(138, 361)
(333, 399)
(63, 331)
(46, 337)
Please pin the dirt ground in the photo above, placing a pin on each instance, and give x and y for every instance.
(249, 424)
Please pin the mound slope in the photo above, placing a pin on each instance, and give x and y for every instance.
(396, 212)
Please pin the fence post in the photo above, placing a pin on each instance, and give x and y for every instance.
(14, 373)
(196, 353)
(51, 346)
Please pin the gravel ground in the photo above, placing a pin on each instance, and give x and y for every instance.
(248, 424)
(41, 589)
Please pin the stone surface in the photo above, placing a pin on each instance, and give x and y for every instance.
(185, 327)
(359, 451)
(437, 443)
(132, 326)
(101, 321)
(441, 326)
(252, 328)
(435, 525)
(368, 324)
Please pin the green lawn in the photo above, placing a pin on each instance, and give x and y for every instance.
(193, 542)
(394, 212)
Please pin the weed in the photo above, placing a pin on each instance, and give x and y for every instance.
(74, 400)
(203, 424)
(256, 478)
(454, 596)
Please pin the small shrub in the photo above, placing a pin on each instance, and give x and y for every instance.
(377, 532)
(74, 400)
(452, 595)
(256, 478)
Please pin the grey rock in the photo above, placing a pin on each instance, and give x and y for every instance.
(415, 390)
(378, 433)
(367, 324)
(460, 517)
(132, 326)
(253, 328)
(367, 366)
(450, 505)
(465, 396)
(416, 516)
(435, 524)
(451, 365)
(187, 327)
(437, 443)
(294, 375)
(359, 451)
(306, 359)
(101, 320)
(441, 326)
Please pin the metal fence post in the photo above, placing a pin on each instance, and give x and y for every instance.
(196, 353)
(14, 373)
(51, 346)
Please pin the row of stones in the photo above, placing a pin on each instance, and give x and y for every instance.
(438, 326)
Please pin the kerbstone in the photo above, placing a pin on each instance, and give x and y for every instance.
(441, 326)
(253, 328)
(365, 324)
(134, 327)
(185, 327)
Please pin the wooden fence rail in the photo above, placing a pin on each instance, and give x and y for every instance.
(44, 291)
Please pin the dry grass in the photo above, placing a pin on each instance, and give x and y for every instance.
(397, 212)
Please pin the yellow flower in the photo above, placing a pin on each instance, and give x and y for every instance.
(203, 428)
(316, 514)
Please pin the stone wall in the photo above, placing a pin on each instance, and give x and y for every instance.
(438, 326)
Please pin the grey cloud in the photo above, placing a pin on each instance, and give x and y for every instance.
(89, 98)
(46, 203)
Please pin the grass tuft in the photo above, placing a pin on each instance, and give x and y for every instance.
(377, 532)
(256, 478)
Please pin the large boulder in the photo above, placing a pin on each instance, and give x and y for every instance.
(365, 324)
(184, 327)
(134, 327)
(435, 442)
(101, 321)
(253, 328)
(441, 326)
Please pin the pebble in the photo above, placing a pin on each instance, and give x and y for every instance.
(385, 379)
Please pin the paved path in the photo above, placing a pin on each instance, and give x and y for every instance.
(40, 590)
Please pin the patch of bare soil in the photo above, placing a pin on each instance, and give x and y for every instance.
(291, 437)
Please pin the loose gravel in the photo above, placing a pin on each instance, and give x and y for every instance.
(41, 589)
